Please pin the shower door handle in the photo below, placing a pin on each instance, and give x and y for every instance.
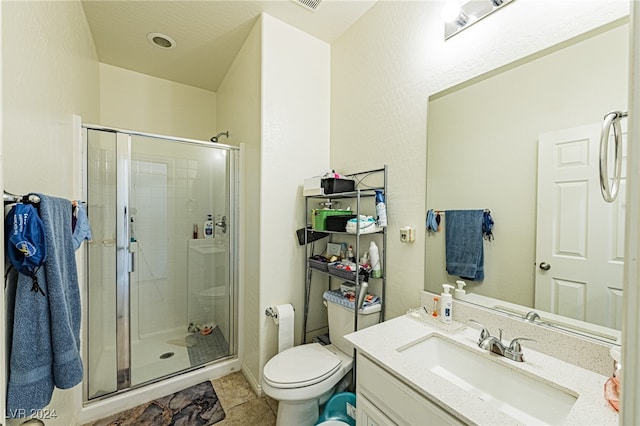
(133, 248)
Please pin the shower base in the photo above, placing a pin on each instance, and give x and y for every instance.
(160, 355)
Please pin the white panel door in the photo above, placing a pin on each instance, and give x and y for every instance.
(580, 237)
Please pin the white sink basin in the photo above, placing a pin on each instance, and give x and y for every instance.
(525, 398)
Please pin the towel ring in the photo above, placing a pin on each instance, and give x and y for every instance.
(610, 191)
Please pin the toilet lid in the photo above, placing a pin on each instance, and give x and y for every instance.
(299, 366)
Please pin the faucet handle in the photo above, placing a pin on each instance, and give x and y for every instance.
(484, 333)
(515, 344)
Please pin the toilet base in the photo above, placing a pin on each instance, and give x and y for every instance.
(307, 412)
(303, 413)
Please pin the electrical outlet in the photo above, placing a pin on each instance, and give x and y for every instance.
(407, 234)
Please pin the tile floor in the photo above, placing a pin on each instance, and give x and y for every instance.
(241, 405)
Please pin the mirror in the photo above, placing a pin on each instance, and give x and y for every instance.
(482, 153)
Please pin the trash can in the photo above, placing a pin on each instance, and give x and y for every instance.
(340, 409)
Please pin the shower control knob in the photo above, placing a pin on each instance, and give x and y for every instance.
(545, 266)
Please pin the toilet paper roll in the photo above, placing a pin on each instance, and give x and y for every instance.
(284, 321)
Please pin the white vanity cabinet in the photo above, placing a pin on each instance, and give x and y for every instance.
(383, 399)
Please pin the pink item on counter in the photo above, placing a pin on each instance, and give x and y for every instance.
(612, 393)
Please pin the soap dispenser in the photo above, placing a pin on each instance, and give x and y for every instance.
(446, 304)
(460, 293)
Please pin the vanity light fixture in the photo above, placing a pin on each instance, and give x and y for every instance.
(461, 14)
(452, 13)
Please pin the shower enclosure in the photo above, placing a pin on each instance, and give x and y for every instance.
(161, 298)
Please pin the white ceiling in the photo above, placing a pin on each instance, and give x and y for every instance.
(208, 33)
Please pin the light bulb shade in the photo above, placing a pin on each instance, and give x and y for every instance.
(450, 11)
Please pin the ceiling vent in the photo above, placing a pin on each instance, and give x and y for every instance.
(311, 5)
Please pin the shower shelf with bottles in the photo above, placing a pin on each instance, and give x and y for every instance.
(356, 199)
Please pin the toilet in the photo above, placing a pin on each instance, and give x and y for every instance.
(304, 377)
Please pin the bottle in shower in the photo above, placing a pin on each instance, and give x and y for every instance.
(207, 229)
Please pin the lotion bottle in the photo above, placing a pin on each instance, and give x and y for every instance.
(207, 229)
(460, 292)
(446, 304)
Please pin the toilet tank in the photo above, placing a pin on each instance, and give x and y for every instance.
(341, 320)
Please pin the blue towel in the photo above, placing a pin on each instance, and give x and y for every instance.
(82, 229)
(432, 224)
(464, 248)
(45, 337)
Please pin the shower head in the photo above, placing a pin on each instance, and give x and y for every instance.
(214, 139)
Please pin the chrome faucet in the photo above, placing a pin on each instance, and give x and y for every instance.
(495, 345)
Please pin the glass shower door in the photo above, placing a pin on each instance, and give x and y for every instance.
(161, 296)
(101, 264)
(179, 284)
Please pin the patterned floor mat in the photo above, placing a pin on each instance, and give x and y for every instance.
(194, 406)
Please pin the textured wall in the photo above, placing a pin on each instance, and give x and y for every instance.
(238, 111)
(49, 72)
(387, 65)
(133, 101)
(275, 101)
(295, 145)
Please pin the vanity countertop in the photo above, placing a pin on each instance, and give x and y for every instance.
(381, 341)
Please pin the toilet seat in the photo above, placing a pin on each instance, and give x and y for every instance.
(301, 366)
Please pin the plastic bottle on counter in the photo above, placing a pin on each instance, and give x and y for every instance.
(446, 304)
(460, 292)
(376, 271)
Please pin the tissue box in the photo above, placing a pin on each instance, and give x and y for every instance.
(313, 186)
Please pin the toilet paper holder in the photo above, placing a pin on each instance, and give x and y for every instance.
(273, 313)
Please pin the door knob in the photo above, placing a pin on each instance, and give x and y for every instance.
(545, 266)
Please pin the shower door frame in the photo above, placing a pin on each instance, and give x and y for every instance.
(125, 262)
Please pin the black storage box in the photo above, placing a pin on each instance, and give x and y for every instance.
(338, 222)
(333, 185)
(311, 235)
